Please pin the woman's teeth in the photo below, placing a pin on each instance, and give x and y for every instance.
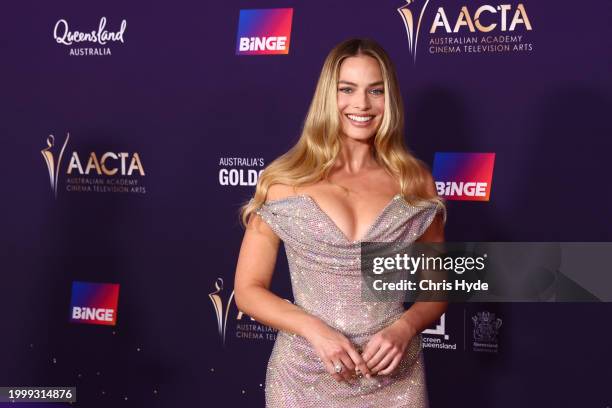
(361, 119)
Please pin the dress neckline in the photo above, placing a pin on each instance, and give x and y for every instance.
(333, 224)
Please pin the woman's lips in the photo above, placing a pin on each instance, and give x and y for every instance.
(360, 120)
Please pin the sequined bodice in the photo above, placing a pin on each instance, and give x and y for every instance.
(326, 280)
(325, 266)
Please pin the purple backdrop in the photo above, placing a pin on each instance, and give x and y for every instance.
(175, 93)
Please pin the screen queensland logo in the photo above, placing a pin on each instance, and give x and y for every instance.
(437, 336)
(89, 171)
(90, 39)
(464, 176)
(435, 27)
(94, 303)
(264, 31)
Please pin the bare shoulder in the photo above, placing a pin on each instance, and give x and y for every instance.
(430, 185)
(257, 227)
(279, 191)
(257, 224)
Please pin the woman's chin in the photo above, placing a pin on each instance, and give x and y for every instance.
(359, 136)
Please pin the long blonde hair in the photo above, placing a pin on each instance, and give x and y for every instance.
(312, 158)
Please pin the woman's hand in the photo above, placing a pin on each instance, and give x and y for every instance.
(385, 349)
(335, 349)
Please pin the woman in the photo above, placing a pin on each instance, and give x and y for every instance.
(349, 179)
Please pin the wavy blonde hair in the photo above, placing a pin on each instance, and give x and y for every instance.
(312, 158)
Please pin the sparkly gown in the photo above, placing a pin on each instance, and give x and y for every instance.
(326, 281)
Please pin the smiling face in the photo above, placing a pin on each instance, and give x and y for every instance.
(361, 97)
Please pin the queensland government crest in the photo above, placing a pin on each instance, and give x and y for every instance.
(486, 332)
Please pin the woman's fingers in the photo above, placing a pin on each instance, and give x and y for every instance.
(348, 359)
(332, 370)
(378, 357)
(359, 361)
(347, 362)
(370, 349)
(348, 368)
(391, 366)
(391, 354)
(340, 363)
(335, 350)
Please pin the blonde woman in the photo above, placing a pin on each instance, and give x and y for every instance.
(349, 179)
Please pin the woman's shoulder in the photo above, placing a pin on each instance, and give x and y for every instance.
(430, 184)
(279, 191)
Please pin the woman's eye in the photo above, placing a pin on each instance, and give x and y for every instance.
(346, 90)
(377, 91)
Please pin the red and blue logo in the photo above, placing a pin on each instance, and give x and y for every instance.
(94, 303)
(264, 31)
(464, 176)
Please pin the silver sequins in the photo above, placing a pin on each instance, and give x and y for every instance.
(326, 281)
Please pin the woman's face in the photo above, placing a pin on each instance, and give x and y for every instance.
(361, 97)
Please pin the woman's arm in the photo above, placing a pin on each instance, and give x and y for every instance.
(254, 271)
(421, 315)
(387, 347)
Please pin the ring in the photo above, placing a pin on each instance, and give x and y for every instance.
(338, 368)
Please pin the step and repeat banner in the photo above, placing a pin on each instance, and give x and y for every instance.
(132, 133)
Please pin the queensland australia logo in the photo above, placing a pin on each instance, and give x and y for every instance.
(264, 31)
(119, 172)
(243, 330)
(94, 303)
(473, 29)
(240, 171)
(486, 331)
(93, 42)
(464, 176)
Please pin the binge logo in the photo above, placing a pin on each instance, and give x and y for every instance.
(264, 31)
(94, 303)
(464, 176)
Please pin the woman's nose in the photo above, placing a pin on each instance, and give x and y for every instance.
(361, 101)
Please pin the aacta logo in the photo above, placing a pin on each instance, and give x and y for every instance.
(412, 22)
(264, 31)
(221, 313)
(108, 164)
(487, 13)
(496, 20)
(53, 160)
(94, 303)
(102, 172)
(245, 331)
(464, 176)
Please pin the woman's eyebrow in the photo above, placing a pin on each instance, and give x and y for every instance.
(354, 84)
